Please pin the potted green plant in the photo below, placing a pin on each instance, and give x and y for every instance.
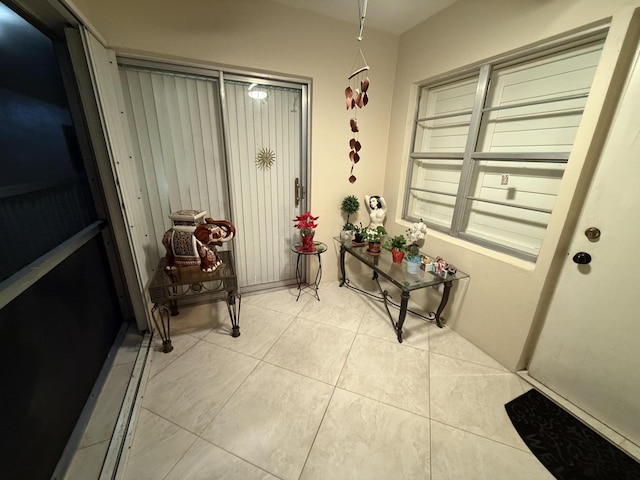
(397, 246)
(350, 205)
(358, 235)
(374, 237)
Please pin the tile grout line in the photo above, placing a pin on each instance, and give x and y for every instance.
(493, 440)
(235, 455)
(224, 404)
(181, 456)
(315, 437)
(199, 435)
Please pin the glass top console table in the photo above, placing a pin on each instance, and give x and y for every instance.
(382, 265)
(169, 286)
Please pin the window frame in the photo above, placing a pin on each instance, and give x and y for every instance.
(483, 71)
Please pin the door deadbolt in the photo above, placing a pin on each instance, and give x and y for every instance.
(582, 258)
(592, 233)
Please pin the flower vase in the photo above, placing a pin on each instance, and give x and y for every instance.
(413, 264)
(397, 255)
(307, 241)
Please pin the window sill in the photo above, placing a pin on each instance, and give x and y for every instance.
(487, 252)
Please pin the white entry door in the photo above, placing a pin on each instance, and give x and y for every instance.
(588, 351)
(265, 161)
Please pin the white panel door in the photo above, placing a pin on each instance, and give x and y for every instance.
(588, 349)
(265, 158)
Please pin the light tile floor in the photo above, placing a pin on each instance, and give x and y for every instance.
(323, 390)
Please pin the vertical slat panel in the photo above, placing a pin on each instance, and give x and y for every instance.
(139, 101)
(166, 106)
(151, 157)
(143, 146)
(268, 120)
(216, 174)
(275, 129)
(240, 178)
(199, 194)
(187, 138)
(175, 121)
(236, 186)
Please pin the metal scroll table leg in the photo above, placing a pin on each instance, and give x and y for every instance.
(174, 289)
(443, 302)
(163, 328)
(342, 271)
(404, 302)
(234, 312)
(316, 284)
(299, 276)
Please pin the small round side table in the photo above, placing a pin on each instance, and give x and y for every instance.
(319, 249)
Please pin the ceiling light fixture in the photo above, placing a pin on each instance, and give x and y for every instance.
(256, 93)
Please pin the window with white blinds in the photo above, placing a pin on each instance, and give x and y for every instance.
(490, 147)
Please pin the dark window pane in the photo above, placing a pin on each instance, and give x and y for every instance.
(56, 337)
(44, 194)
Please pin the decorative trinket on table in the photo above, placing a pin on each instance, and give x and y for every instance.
(306, 224)
(442, 268)
(193, 239)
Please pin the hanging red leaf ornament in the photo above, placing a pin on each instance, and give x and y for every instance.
(356, 95)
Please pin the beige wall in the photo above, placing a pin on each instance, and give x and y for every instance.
(504, 297)
(500, 305)
(270, 37)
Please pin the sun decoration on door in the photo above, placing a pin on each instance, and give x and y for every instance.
(265, 159)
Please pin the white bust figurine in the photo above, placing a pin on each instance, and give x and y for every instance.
(377, 210)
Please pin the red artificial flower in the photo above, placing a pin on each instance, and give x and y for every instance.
(306, 221)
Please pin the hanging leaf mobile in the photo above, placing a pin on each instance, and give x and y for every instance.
(356, 95)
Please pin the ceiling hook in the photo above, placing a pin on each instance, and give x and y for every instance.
(362, 9)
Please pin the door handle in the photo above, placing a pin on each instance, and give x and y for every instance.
(582, 258)
(298, 191)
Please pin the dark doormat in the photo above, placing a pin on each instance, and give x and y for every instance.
(568, 448)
